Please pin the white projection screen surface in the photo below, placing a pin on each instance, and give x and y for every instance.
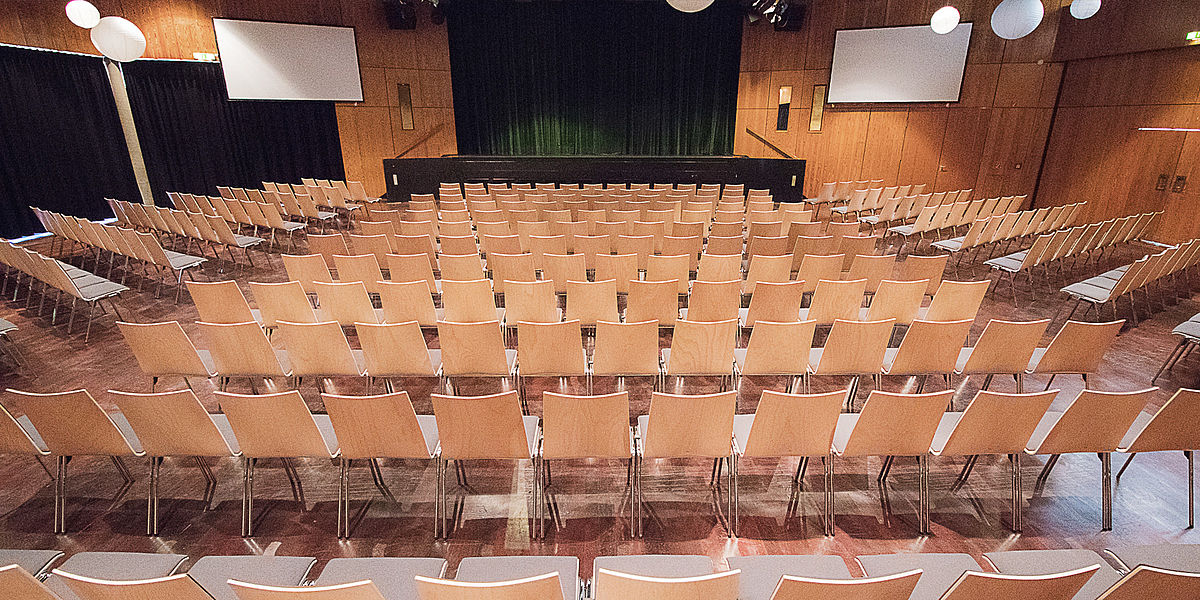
(898, 64)
(288, 61)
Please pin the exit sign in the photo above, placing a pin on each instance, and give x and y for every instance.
(1193, 36)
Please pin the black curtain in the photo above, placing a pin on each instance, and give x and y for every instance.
(593, 77)
(194, 139)
(61, 145)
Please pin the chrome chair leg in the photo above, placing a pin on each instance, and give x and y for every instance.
(1106, 490)
(1017, 493)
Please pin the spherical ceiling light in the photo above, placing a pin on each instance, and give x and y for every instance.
(118, 39)
(690, 6)
(1014, 19)
(83, 14)
(944, 20)
(1082, 9)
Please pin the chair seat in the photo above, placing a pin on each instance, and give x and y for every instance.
(99, 290)
(481, 569)
(6, 326)
(1175, 557)
(940, 571)
(207, 361)
(841, 433)
(666, 357)
(1188, 329)
(179, 260)
(245, 241)
(583, 353)
(1010, 263)
(33, 434)
(325, 426)
(114, 566)
(761, 574)
(35, 562)
(655, 565)
(1043, 428)
(212, 572)
(222, 423)
(945, 428)
(1087, 291)
(1046, 562)
(291, 226)
(392, 576)
(950, 245)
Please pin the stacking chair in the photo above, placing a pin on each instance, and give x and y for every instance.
(702, 349)
(1170, 429)
(511, 267)
(817, 267)
(653, 301)
(899, 300)
(532, 301)
(113, 567)
(627, 349)
(282, 302)
(786, 425)
(396, 350)
(563, 571)
(1095, 422)
(549, 350)
(719, 267)
(71, 424)
(833, 300)
(776, 349)
(275, 426)
(928, 348)
(915, 268)
(175, 424)
(762, 574)
(358, 422)
(894, 425)
(470, 301)
(546, 586)
(410, 267)
(1002, 348)
(590, 302)
(778, 302)
(1045, 562)
(242, 350)
(1057, 586)
(17, 582)
(713, 300)
(766, 269)
(163, 349)
(612, 585)
(327, 246)
(320, 350)
(214, 573)
(584, 427)
(221, 302)
(347, 303)
(854, 349)
(362, 268)
(686, 427)
(474, 350)
(464, 267)
(558, 269)
(394, 576)
(408, 301)
(873, 268)
(667, 268)
(973, 433)
(484, 427)
(1077, 348)
(359, 590)
(955, 300)
(623, 268)
(306, 269)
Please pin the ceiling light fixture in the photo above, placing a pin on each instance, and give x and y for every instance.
(944, 20)
(1083, 9)
(1191, 129)
(1015, 19)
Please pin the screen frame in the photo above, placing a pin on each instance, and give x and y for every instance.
(357, 60)
(966, 62)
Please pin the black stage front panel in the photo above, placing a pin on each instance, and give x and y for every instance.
(407, 176)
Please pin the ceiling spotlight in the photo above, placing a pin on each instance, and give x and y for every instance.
(1082, 9)
(774, 11)
(83, 14)
(690, 6)
(1014, 19)
(944, 20)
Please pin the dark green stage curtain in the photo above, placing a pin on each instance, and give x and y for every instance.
(194, 139)
(569, 77)
(61, 145)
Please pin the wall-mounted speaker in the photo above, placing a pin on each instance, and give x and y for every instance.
(793, 17)
(400, 14)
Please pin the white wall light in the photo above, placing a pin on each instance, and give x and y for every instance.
(1014, 19)
(1082, 9)
(690, 6)
(119, 39)
(944, 20)
(83, 14)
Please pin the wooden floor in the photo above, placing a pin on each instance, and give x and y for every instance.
(1150, 501)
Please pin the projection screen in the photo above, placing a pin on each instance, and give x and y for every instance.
(288, 61)
(898, 64)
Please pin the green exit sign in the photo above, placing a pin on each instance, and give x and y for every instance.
(1193, 36)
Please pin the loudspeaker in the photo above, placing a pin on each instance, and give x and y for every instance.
(793, 18)
(400, 14)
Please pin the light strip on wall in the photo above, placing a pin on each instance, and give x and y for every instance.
(1168, 129)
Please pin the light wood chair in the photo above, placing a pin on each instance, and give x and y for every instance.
(776, 349)
(875, 269)
(327, 245)
(584, 427)
(1003, 348)
(545, 587)
(221, 302)
(72, 424)
(164, 349)
(623, 268)
(474, 350)
(888, 587)
(640, 245)
(854, 349)
(928, 348)
(465, 267)
(1152, 582)
(767, 269)
(359, 590)
(1170, 429)
(320, 350)
(778, 302)
(532, 301)
(415, 244)
(702, 349)
(377, 427)
(482, 427)
(362, 268)
(347, 303)
(591, 246)
(973, 433)
(275, 426)
(667, 268)
(180, 586)
(395, 350)
(611, 585)
(834, 300)
(686, 427)
(411, 267)
(549, 350)
(285, 301)
(175, 424)
(916, 268)
(956, 300)
(1058, 586)
(408, 301)
(713, 300)
(817, 267)
(470, 301)
(18, 583)
(627, 349)
(1077, 348)
(511, 267)
(459, 244)
(653, 301)
(854, 246)
(558, 269)
(899, 300)
(590, 302)
(787, 425)
(306, 268)
(894, 425)
(719, 267)
(1096, 422)
(242, 350)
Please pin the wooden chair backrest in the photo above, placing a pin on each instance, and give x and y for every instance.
(815, 267)
(181, 587)
(347, 303)
(794, 424)
(899, 300)
(855, 347)
(719, 267)
(702, 348)
(319, 349)
(1095, 422)
(1172, 427)
(394, 349)
(358, 267)
(592, 301)
(1079, 347)
(585, 426)
(306, 268)
(666, 268)
(383, 426)
(653, 301)
(890, 587)
(1005, 346)
(468, 301)
(689, 426)
(357, 590)
(461, 267)
(714, 300)
(894, 424)
(976, 431)
(171, 423)
(327, 245)
(411, 267)
(772, 269)
(72, 424)
(956, 300)
(407, 301)
(273, 425)
(611, 585)
(779, 302)
(472, 348)
(779, 348)
(542, 587)
(18, 583)
(930, 347)
(219, 301)
(833, 300)
(629, 348)
(282, 302)
(1058, 586)
(551, 348)
(622, 268)
(480, 427)
(533, 301)
(163, 349)
(241, 349)
(1152, 582)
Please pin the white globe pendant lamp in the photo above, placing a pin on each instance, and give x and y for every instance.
(690, 6)
(1015, 19)
(83, 13)
(944, 20)
(119, 39)
(1083, 9)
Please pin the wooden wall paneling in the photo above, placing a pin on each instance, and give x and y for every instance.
(920, 154)
(885, 135)
(961, 148)
(348, 135)
(1179, 221)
